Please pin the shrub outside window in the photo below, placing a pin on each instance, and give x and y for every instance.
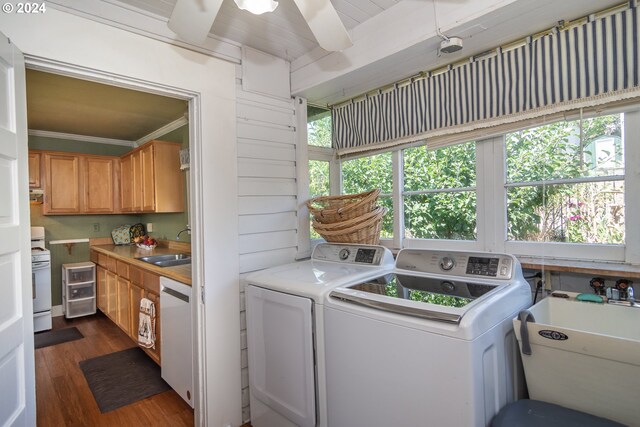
(565, 182)
(366, 173)
(440, 192)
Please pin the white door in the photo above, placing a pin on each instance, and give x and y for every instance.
(281, 358)
(17, 372)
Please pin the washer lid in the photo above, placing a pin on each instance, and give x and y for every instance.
(433, 298)
(313, 279)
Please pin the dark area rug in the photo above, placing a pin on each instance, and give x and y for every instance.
(121, 378)
(57, 336)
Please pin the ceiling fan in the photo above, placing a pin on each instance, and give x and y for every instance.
(191, 20)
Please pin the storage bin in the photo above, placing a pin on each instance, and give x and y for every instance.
(78, 289)
(85, 290)
(584, 356)
(79, 308)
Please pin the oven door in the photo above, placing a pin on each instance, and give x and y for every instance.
(41, 286)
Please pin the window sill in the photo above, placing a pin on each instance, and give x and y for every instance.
(597, 268)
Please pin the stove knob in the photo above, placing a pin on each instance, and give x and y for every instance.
(344, 254)
(447, 263)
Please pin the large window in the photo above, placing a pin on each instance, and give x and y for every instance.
(565, 182)
(440, 192)
(559, 190)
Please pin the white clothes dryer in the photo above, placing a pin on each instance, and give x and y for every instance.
(285, 334)
(431, 344)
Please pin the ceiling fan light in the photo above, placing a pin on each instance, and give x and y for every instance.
(257, 7)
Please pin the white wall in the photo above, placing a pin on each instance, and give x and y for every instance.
(267, 189)
(67, 39)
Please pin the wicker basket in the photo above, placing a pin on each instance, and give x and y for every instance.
(335, 226)
(358, 231)
(330, 209)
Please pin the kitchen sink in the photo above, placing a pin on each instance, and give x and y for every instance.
(167, 260)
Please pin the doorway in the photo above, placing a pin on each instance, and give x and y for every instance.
(82, 119)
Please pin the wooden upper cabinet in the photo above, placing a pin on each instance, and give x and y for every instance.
(34, 170)
(80, 184)
(148, 178)
(62, 184)
(154, 181)
(126, 191)
(136, 181)
(99, 184)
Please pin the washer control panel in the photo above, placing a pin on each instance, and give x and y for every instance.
(461, 264)
(352, 254)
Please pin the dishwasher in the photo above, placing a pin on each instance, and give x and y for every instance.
(176, 352)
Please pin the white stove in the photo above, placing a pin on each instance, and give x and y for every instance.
(40, 280)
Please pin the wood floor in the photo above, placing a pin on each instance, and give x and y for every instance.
(63, 397)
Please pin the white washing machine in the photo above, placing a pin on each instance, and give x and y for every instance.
(285, 335)
(431, 344)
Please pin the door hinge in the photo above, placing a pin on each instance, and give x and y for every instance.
(202, 294)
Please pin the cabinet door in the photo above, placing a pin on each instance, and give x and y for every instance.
(123, 319)
(148, 179)
(112, 296)
(169, 179)
(155, 352)
(62, 184)
(136, 183)
(34, 170)
(126, 181)
(98, 185)
(136, 293)
(101, 284)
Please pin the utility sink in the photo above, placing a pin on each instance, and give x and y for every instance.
(167, 260)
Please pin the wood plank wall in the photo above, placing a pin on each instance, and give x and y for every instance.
(267, 196)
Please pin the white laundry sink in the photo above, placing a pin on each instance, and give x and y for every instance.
(584, 356)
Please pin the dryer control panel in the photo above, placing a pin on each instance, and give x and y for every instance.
(352, 254)
(460, 264)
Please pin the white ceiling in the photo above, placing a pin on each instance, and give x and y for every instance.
(393, 39)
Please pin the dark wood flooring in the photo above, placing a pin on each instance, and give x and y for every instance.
(63, 397)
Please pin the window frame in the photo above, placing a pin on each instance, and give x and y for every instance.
(491, 191)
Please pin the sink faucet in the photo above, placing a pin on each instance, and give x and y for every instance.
(188, 230)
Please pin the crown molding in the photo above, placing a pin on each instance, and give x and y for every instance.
(83, 138)
(162, 131)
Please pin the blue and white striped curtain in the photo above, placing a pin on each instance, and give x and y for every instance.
(587, 65)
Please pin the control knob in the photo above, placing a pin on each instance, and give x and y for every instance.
(344, 254)
(447, 263)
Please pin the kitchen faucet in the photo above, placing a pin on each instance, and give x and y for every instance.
(188, 230)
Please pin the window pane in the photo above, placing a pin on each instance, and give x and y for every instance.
(367, 173)
(319, 132)
(555, 151)
(441, 216)
(387, 221)
(449, 167)
(318, 178)
(318, 184)
(575, 213)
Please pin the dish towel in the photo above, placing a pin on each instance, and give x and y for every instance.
(147, 326)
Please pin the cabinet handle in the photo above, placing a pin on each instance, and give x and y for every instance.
(176, 294)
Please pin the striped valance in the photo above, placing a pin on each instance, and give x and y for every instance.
(586, 65)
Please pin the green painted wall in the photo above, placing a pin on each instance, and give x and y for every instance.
(65, 227)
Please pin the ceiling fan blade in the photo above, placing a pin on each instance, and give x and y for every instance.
(191, 20)
(325, 24)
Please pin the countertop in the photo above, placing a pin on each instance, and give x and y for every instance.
(180, 273)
